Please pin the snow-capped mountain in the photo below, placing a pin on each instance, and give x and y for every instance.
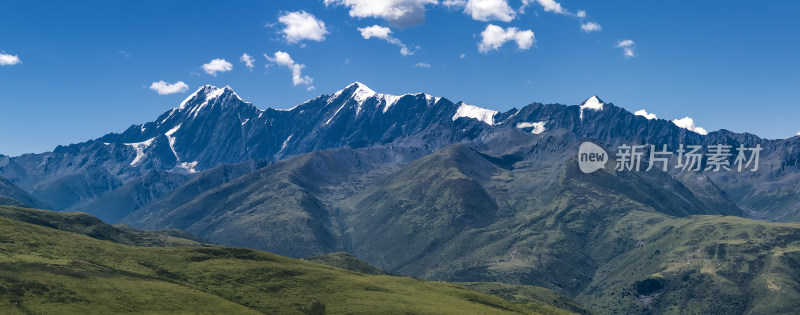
(214, 126)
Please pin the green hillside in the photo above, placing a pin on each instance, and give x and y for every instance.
(346, 261)
(44, 270)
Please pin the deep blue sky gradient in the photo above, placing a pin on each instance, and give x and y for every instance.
(731, 64)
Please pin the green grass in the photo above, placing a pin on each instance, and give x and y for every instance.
(532, 295)
(44, 270)
(346, 261)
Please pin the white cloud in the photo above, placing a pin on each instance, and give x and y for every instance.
(688, 123)
(798, 133)
(217, 65)
(384, 33)
(248, 61)
(462, 56)
(581, 14)
(454, 3)
(495, 36)
(301, 25)
(645, 114)
(487, 10)
(283, 59)
(547, 5)
(589, 27)
(164, 88)
(397, 12)
(9, 60)
(627, 47)
(422, 65)
(124, 53)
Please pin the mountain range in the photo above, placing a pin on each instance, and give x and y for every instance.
(418, 185)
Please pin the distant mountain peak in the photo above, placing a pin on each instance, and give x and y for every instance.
(593, 103)
(207, 93)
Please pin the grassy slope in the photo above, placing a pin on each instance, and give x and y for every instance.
(84, 224)
(43, 270)
(595, 237)
(346, 261)
(527, 294)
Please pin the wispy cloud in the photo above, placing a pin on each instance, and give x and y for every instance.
(284, 59)
(384, 33)
(422, 65)
(9, 60)
(217, 65)
(248, 61)
(164, 88)
(589, 27)
(495, 36)
(627, 47)
(547, 5)
(124, 53)
(396, 12)
(300, 26)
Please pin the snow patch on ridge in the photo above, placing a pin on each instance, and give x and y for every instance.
(172, 140)
(188, 167)
(475, 112)
(139, 147)
(538, 127)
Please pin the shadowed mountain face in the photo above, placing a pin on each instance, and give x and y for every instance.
(11, 195)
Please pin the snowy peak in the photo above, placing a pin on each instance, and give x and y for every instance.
(475, 112)
(593, 103)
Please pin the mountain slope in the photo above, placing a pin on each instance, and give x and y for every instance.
(11, 195)
(46, 270)
(114, 205)
(285, 208)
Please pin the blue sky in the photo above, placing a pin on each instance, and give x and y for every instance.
(70, 72)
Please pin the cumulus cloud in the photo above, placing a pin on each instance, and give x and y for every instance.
(397, 12)
(627, 47)
(300, 26)
(283, 59)
(495, 36)
(217, 65)
(164, 88)
(488, 10)
(688, 123)
(9, 60)
(589, 27)
(248, 61)
(547, 5)
(580, 14)
(384, 33)
(645, 114)
(422, 65)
